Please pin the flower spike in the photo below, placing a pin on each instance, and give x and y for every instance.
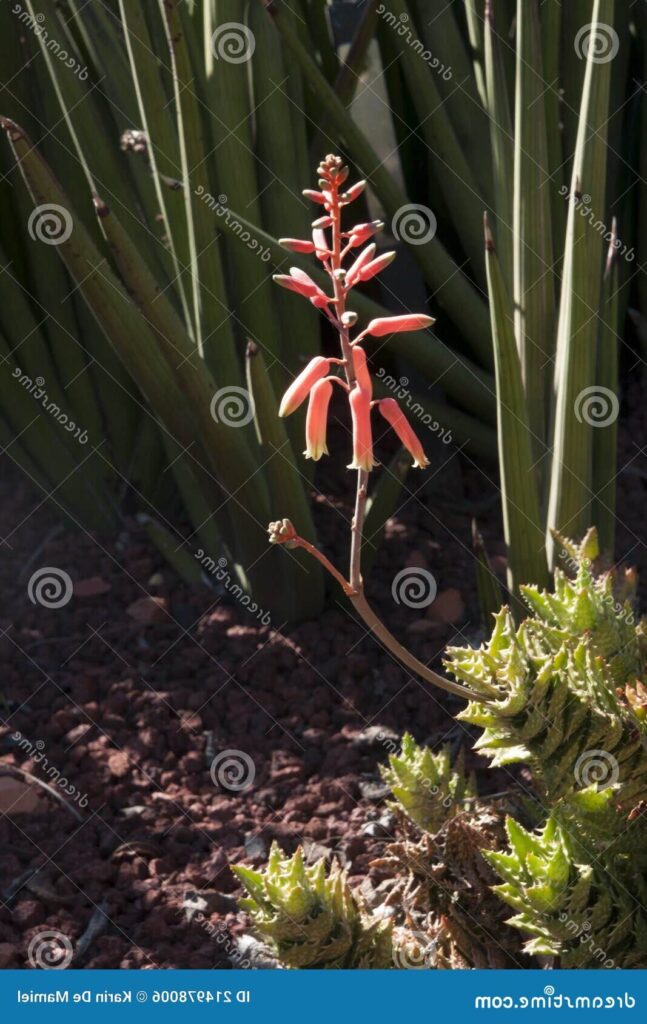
(333, 246)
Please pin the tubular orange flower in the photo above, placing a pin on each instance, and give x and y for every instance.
(361, 370)
(393, 414)
(360, 407)
(317, 420)
(301, 386)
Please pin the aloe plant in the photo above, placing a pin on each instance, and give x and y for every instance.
(428, 787)
(311, 916)
(564, 695)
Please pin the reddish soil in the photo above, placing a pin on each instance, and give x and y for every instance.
(134, 714)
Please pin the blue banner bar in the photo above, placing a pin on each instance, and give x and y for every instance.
(321, 997)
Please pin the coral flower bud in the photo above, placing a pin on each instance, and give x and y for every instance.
(360, 367)
(315, 197)
(317, 419)
(360, 407)
(306, 281)
(393, 414)
(369, 270)
(396, 324)
(300, 387)
(365, 256)
(353, 192)
(320, 244)
(298, 281)
(362, 232)
(282, 532)
(292, 285)
(297, 244)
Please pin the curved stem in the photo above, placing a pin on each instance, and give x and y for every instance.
(363, 608)
(299, 542)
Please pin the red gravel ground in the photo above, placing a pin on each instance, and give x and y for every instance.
(134, 714)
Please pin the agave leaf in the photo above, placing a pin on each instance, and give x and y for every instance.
(487, 584)
(534, 292)
(605, 441)
(550, 14)
(455, 175)
(572, 463)
(440, 29)
(288, 495)
(351, 67)
(139, 349)
(521, 517)
(278, 143)
(227, 150)
(163, 149)
(501, 136)
(473, 19)
(177, 556)
(60, 465)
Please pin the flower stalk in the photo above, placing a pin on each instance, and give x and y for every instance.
(332, 247)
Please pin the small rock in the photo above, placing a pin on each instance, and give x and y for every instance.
(255, 847)
(373, 789)
(376, 737)
(148, 610)
(94, 586)
(119, 764)
(7, 954)
(17, 797)
(28, 913)
(448, 606)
